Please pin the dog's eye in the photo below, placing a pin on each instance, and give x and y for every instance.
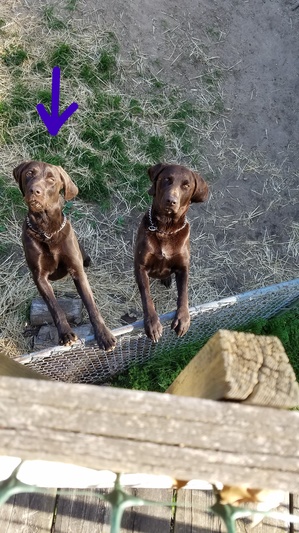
(186, 185)
(29, 174)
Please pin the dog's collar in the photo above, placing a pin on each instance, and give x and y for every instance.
(42, 233)
(154, 228)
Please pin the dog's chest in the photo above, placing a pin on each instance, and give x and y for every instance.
(164, 249)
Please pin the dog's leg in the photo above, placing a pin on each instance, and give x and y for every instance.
(152, 324)
(166, 282)
(181, 322)
(85, 257)
(65, 333)
(103, 335)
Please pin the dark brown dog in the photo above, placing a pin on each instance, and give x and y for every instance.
(162, 244)
(51, 247)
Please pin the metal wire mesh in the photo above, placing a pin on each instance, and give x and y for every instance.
(84, 362)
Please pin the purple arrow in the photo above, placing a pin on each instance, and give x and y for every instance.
(53, 121)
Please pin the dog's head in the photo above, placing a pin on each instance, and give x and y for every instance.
(41, 184)
(174, 187)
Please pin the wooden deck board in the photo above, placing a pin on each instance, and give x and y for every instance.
(295, 510)
(28, 513)
(185, 438)
(149, 519)
(193, 514)
(78, 512)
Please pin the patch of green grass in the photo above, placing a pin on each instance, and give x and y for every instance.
(156, 147)
(13, 109)
(52, 21)
(14, 56)
(45, 97)
(40, 67)
(158, 373)
(71, 5)
(135, 107)
(87, 73)
(107, 102)
(62, 57)
(106, 66)
(111, 140)
(94, 186)
(12, 200)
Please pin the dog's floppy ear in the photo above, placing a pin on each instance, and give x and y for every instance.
(17, 174)
(153, 173)
(70, 189)
(201, 191)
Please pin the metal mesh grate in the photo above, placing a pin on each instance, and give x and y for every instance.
(84, 362)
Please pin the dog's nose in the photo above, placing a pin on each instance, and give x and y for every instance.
(171, 201)
(34, 189)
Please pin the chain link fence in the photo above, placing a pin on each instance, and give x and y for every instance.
(84, 362)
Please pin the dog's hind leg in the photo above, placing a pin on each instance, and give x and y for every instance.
(86, 258)
(166, 282)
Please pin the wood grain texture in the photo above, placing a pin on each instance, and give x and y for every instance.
(134, 431)
(193, 513)
(9, 367)
(81, 511)
(148, 518)
(28, 513)
(294, 507)
(240, 366)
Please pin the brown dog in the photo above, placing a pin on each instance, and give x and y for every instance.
(162, 244)
(51, 247)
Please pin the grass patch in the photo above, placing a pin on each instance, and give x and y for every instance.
(11, 199)
(14, 56)
(158, 373)
(62, 57)
(121, 127)
(53, 22)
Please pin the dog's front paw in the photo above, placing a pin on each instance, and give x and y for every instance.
(153, 328)
(68, 338)
(105, 339)
(181, 323)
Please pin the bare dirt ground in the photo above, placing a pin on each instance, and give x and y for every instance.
(247, 235)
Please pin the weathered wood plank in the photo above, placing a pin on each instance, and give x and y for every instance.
(27, 513)
(240, 366)
(294, 508)
(9, 367)
(81, 512)
(155, 518)
(193, 513)
(77, 511)
(134, 431)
